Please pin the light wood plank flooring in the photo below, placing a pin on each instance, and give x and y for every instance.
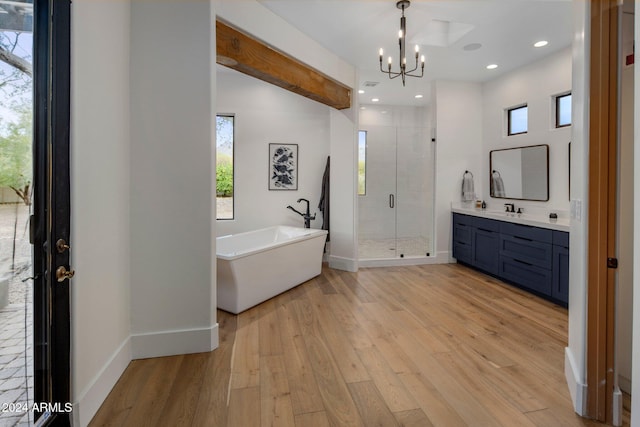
(437, 345)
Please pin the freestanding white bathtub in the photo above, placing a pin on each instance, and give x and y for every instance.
(257, 265)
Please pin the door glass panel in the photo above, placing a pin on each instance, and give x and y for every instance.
(415, 192)
(16, 191)
(396, 210)
(376, 208)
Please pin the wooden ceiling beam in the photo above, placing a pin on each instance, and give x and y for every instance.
(242, 52)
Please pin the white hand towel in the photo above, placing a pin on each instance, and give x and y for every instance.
(497, 184)
(468, 193)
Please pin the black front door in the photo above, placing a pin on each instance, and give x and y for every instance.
(51, 221)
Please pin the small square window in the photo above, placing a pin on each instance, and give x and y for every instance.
(517, 120)
(563, 110)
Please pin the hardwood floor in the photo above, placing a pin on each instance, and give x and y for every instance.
(437, 345)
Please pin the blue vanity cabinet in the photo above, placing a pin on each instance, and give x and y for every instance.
(462, 237)
(560, 284)
(486, 244)
(532, 258)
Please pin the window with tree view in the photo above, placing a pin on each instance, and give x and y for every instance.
(224, 166)
(362, 162)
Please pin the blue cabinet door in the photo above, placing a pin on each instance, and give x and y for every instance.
(486, 247)
(462, 238)
(560, 288)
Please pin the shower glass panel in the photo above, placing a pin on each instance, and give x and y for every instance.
(395, 214)
(414, 178)
(377, 222)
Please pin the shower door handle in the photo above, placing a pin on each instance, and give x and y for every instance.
(392, 201)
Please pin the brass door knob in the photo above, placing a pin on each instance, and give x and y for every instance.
(62, 274)
(62, 246)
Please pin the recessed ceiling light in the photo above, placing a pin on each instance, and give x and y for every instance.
(375, 100)
(541, 43)
(492, 66)
(360, 91)
(472, 46)
(418, 96)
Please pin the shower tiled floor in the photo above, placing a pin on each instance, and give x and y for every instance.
(393, 248)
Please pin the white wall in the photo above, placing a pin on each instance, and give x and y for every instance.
(635, 373)
(173, 307)
(458, 123)
(141, 164)
(625, 213)
(575, 353)
(344, 185)
(266, 114)
(535, 85)
(100, 306)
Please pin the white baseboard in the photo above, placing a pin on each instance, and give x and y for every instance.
(444, 257)
(617, 407)
(340, 263)
(89, 400)
(170, 343)
(577, 390)
(394, 262)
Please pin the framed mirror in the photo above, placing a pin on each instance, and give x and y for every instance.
(520, 173)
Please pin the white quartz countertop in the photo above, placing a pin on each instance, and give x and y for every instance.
(560, 224)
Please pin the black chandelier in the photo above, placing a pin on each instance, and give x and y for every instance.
(402, 34)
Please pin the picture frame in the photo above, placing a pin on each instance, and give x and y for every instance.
(283, 166)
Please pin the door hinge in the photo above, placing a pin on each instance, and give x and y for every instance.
(612, 262)
(32, 229)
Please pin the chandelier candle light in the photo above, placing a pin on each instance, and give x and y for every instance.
(402, 34)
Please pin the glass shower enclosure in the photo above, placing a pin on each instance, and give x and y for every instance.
(395, 204)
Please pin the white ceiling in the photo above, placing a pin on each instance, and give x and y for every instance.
(356, 29)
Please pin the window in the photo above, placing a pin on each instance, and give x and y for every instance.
(224, 166)
(362, 162)
(563, 110)
(517, 120)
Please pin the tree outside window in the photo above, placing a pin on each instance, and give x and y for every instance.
(224, 166)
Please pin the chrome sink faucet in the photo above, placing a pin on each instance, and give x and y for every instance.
(512, 206)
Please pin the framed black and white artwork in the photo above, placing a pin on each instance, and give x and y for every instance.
(283, 166)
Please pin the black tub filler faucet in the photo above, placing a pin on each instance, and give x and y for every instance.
(307, 216)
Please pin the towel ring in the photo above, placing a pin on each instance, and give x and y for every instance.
(495, 172)
(467, 172)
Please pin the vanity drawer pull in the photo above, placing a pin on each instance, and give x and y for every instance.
(523, 262)
(484, 229)
(523, 238)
